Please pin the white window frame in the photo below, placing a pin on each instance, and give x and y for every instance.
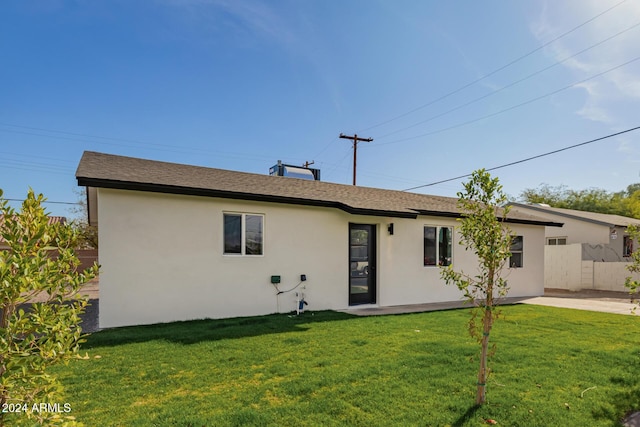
(556, 238)
(521, 252)
(437, 236)
(243, 234)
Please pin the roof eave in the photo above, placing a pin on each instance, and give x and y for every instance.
(509, 220)
(203, 192)
(534, 222)
(567, 215)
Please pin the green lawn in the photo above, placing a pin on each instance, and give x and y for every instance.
(553, 367)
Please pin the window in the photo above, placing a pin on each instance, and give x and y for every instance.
(556, 241)
(516, 249)
(437, 245)
(243, 234)
(627, 248)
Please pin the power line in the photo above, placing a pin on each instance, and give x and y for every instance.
(83, 135)
(30, 169)
(338, 165)
(511, 84)
(149, 145)
(513, 107)
(47, 201)
(32, 156)
(528, 158)
(494, 71)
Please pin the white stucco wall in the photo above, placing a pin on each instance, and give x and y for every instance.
(578, 231)
(611, 276)
(563, 267)
(162, 259)
(405, 279)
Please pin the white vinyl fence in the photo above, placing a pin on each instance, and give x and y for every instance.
(565, 268)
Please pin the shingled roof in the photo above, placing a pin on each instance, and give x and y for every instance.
(593, 217)
(118, 172)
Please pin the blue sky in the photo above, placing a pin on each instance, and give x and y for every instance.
(240, 84)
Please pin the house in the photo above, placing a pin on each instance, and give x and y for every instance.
(590, 251)
(182, 242)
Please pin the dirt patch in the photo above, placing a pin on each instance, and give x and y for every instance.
(89, 290)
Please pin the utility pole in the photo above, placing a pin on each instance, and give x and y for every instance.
(307, 164)
(355, 149)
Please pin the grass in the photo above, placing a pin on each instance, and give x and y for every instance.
(553, 367)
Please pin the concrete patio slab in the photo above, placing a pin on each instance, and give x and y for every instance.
(614, 302)
(369, 310)
(605, 306)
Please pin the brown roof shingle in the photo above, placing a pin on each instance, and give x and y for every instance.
(111, 171)
(595, 217)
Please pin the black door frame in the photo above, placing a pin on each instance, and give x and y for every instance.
(367, 277)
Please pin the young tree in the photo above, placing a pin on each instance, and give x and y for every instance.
(40, 261)
(482, 230)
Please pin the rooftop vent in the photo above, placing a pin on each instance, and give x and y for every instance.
(300, 172)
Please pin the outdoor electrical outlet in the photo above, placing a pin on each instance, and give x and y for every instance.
(275, 279)
(303, 277)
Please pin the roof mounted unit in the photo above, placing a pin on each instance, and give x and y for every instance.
(281, 169)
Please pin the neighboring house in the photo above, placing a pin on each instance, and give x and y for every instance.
(52, 220)
(575, 253)
(182, 242)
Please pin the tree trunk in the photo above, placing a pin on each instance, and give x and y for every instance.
(482, 373)
(487, 321)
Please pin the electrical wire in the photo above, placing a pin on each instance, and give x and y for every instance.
(152, 146)
(288, 290)
(528, 158)
(337, 165)
(511, 84)
(437, 182)
(513, 107)
(497, 70)
(166, 147)
(30, 169)
(47, 201)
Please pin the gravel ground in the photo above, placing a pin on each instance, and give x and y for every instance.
(90, 317)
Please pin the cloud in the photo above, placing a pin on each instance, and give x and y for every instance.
(592, 109)
(248, 22)
(620, 86)
(258, 18)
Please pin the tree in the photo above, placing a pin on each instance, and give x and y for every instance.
(88, 234)
(482, 230)
(545, 193)
(634, 267)
(626, 203)
(40, 262)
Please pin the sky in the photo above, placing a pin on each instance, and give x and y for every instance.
(443, 88)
